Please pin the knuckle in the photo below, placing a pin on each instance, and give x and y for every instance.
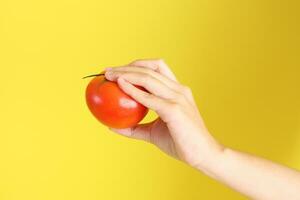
(174, 106)
(161, 61)
(186, 90)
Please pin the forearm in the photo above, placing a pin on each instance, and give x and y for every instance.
(255, 177)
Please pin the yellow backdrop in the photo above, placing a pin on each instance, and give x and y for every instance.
(241, 59)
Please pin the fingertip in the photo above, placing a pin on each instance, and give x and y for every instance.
(108, 75)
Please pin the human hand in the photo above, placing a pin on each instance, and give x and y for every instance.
(179, 130)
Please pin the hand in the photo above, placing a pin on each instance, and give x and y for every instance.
(179, 131)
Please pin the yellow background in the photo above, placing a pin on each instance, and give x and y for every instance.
(241, 58)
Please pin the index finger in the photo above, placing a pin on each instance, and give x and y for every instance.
(155, 64)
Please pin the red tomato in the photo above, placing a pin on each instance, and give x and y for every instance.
(111, 106)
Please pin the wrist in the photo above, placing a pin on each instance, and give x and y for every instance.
(210, 164)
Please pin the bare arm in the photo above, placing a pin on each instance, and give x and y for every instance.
(180, 132)
(255, 177)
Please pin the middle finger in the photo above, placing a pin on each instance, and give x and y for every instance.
(147, 81)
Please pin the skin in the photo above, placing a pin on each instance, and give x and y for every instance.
(180, 132)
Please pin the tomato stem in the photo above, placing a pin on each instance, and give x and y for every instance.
(93, 75)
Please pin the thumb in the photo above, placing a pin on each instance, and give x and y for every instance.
(139, 132)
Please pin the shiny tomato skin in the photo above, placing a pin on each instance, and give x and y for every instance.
(111, 106)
